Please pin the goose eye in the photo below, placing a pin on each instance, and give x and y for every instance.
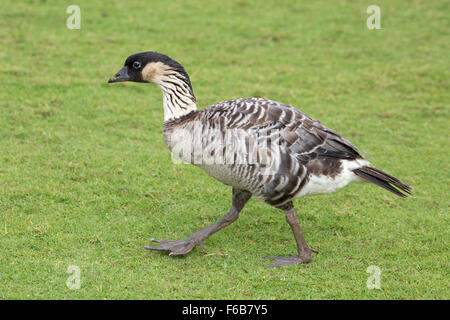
(136, 64)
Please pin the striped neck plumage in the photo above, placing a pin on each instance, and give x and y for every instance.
(178, 97)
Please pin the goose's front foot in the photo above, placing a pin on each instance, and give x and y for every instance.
(291, 260)
(176, 247)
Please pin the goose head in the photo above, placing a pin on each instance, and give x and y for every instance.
(168, 74)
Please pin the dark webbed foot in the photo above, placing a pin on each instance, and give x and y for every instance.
(176, 247)
(304, 251)
(291, 260)
(182, 247)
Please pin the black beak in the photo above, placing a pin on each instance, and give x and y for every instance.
(120, 76)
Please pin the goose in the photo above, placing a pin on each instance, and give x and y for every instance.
(260, 148)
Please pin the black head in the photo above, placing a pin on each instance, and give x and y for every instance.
(149, 67)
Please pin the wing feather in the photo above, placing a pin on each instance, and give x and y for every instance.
(303, 137)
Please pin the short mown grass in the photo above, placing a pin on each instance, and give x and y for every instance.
(86, 179)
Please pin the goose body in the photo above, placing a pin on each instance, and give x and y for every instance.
(259, 147)
(307, 158)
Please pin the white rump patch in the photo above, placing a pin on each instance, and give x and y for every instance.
(325, 184)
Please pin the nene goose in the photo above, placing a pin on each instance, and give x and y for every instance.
(259, 147)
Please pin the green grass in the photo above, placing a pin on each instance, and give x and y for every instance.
(86, 179)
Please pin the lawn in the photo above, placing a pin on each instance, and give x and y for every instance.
(86, 178)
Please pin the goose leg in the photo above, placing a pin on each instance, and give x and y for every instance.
(182, 247)
(304, 251)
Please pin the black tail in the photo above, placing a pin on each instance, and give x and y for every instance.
(383, 180)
